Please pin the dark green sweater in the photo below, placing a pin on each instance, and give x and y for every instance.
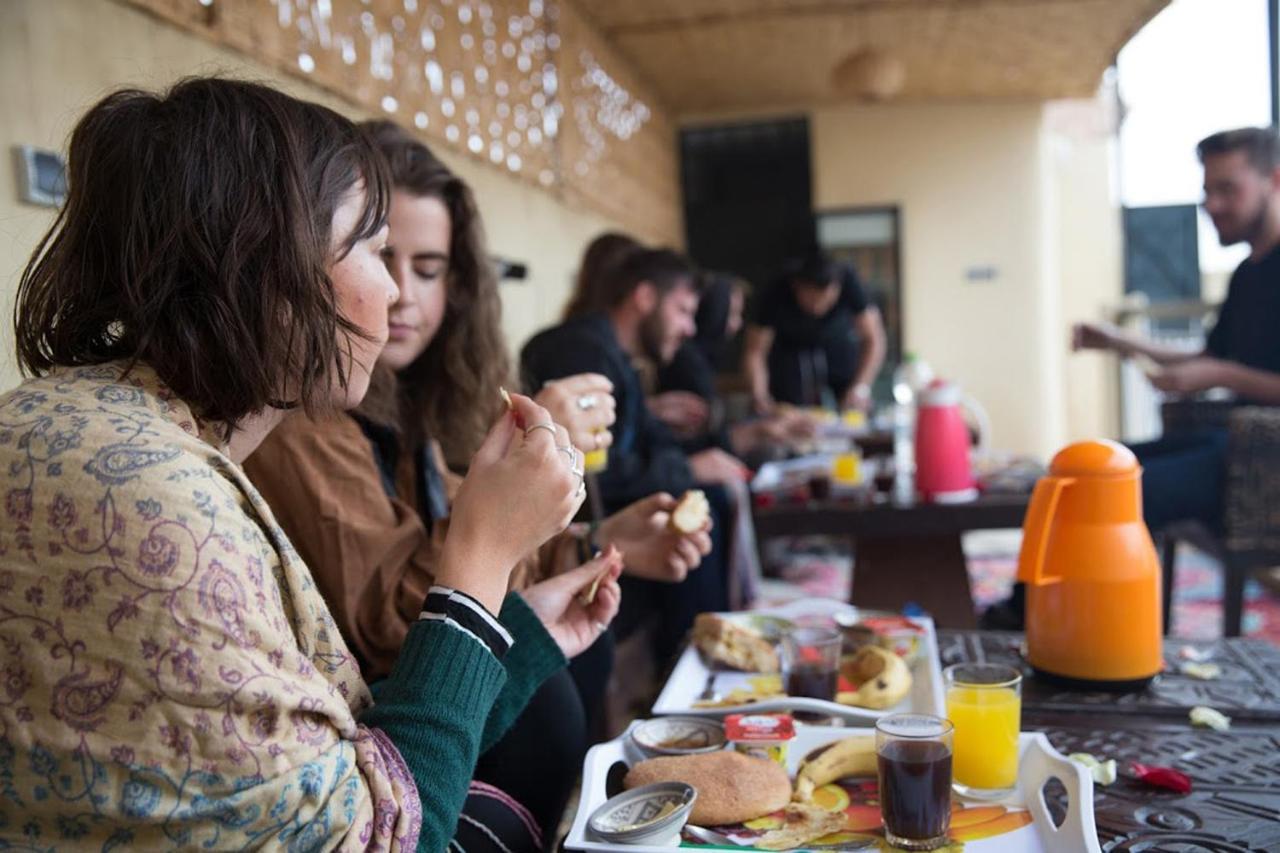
(448, 699)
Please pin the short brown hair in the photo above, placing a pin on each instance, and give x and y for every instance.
(451, 389)
(662, 268)
(196, 238)
(1261, 146)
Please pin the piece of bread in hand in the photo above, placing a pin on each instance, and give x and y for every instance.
(588, 595)
(691, 513)
(734, 644)
(731, 787)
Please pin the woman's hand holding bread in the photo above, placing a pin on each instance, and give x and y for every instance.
(523, 487)
(575, 607)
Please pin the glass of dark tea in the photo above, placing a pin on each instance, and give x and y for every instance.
(811, 665)
(913, 754)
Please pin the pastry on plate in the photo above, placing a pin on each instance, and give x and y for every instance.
(735, 644)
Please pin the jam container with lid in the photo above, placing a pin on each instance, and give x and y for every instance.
(761, 735)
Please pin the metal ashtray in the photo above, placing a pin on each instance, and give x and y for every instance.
(679, 735)
(653, 814)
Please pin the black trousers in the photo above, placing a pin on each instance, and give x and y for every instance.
(538, 761)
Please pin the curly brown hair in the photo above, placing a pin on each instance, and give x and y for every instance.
(196, 239)
(451, 390)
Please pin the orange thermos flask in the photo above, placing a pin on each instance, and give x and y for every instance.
(1093, 616)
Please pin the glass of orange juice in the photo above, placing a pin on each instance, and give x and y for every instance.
(984, 703)
(595, 461)
(846, 468)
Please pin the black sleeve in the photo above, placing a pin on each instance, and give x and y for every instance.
(690, 371)
(557, 354)
(633, 475)
(852, 295)
(639, 465)
(1218, 344)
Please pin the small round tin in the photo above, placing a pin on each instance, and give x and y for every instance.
(652, 815)
(679, 735)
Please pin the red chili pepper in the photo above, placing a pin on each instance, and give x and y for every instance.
(1162, 777)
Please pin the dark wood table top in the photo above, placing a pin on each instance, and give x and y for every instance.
(1235, 801)
(1247, 691)
(879, 517)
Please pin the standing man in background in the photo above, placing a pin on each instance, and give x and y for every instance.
(814, 336)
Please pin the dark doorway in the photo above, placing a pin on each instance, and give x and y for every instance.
(747, 201)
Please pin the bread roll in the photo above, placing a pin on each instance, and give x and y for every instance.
(731, 787)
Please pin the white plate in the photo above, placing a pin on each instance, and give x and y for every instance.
(689, 677)
(1039, 763)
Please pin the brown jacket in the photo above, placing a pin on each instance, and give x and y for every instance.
(372, 555)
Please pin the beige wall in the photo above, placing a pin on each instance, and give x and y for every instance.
(1088, 268)
(58, 56)
(985, 185)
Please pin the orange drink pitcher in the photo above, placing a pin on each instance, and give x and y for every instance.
(1091, 570)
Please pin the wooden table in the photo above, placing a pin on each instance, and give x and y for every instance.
(1235, 802)
(906, 550)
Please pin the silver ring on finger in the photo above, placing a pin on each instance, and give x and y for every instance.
(582, 486)
(548, 426)
(568, 451)
(587, 402)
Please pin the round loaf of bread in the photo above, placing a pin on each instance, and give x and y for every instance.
(731, 787)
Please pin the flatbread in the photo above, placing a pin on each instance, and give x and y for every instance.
(589, 594)
(801, 823)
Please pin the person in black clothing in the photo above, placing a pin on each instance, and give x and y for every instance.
(651, 297)
(814, 335)
(1183, 475)
(687, 400)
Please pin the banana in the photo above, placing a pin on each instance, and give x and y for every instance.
(882, 677)
(853, 756)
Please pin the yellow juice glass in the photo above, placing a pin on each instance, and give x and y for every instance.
(846, 469)
(854, 418)
(984, 703)
(594, 461)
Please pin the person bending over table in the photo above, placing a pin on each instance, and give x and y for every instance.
(814, 334)
(687, 399)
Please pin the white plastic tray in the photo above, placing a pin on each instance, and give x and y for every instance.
(1039, 763)
(689, 677)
